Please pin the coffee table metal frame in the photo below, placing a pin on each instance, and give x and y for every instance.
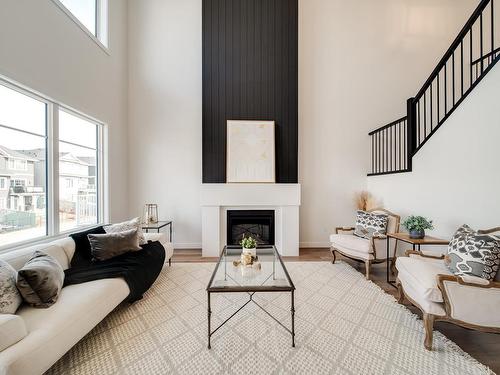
(250, 290)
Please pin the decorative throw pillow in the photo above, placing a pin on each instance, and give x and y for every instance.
(474, 254)
(82, 254)
(40, 280)
(110, 245)
(369, 224)
(134, 223)
(10, 299)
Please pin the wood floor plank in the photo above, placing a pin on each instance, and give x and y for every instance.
(485, 347)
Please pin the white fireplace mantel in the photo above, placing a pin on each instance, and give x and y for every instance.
(217, 199)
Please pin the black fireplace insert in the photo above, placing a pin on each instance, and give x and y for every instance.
(258, 224)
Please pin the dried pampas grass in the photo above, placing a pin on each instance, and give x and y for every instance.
(365, 201)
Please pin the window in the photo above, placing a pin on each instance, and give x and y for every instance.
(90, 15)
(78, 141)
(22, 130)
(32, 163)
(17, 182)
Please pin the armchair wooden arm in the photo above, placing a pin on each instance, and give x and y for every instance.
(457, 295)
(344, 229)
(451, 278)
(377, 237)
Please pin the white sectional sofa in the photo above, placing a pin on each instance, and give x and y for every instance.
(32, 340)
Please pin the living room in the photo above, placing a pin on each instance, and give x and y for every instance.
(246, 184)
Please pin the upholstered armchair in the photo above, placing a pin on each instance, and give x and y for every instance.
(360, 249)
(468, 301)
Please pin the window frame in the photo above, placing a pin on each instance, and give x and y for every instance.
(52, 167)
(102, 23)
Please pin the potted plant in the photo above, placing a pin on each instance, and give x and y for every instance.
(416, 226)
(249, 245)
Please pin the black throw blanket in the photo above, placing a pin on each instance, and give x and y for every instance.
(140, 269)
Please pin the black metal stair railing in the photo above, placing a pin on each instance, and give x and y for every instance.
(389, 148)
(470, 57)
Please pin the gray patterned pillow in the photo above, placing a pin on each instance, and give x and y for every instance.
(369, 224)
(474, 254)
(134, 223)
(10, 299)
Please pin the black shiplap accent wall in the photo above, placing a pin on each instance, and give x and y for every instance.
(250, 72)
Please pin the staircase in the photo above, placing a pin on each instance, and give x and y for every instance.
(470, 57)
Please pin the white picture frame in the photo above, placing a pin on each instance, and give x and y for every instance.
(250, 151)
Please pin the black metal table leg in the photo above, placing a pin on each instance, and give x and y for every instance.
(387, 268)
(209, 313)
(389, 260)
(293, 319)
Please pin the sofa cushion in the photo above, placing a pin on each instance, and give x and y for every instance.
(134, 223)
(10, 299)
(421, 274)
(53, 331)
(12, 330)
(369, 224)
(40, 280)
(110, 245)
(474, 254)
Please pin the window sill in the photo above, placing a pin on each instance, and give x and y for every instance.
(43, 240)
(81, 26)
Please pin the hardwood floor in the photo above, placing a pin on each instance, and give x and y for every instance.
(485, 347)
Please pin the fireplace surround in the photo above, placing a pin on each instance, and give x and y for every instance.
(217, 200)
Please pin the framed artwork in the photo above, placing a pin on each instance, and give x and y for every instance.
(250, 151)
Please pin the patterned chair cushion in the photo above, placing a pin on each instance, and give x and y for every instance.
(369, 224)
(474, 254)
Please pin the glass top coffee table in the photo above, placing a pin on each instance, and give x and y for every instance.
(271, 276)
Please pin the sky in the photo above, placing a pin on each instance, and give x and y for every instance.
(84, 10)
(22, 112)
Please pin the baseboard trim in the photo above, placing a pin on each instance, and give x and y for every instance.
(194, 245)
(314, 244)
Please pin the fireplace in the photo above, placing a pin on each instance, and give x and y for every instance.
(258, 224)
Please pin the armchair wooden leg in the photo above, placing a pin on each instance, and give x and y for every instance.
(334, 255)
(401, 293)
(367, 268)
(429, 329)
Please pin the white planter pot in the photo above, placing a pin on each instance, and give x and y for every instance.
(252, 251)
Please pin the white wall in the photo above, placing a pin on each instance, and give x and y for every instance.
(358, 63)
(455, 177)
(42, 48)
(165, 93)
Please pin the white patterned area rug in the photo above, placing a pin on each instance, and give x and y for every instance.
(344, 325)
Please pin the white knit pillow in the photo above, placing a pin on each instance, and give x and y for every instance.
(134, 223)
